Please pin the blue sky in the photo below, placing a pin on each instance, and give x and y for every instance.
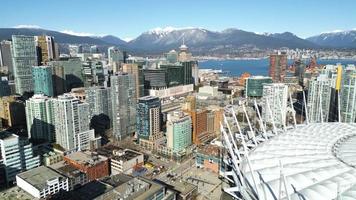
(129, 18)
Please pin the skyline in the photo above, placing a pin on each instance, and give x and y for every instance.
(127, 20)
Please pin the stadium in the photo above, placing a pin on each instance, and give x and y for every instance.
(313, 161)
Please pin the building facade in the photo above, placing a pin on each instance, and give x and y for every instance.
(148, 117)
(39, 118)
(348, 95)
(179, 132)
(123, 96)
(274, 103)
(23, 58)
(99, 100)
(42, 80)
(277, 66)
(254, 85)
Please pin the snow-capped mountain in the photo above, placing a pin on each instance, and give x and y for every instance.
(339, 39)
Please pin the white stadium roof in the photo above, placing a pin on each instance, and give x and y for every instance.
(315, 161)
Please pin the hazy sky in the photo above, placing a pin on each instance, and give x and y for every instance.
(128, 18)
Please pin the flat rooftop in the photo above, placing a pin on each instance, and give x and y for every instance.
(6, 135)
(127, 154)
(65, 169)
(39, 176)
(86, 158)
(211, 150)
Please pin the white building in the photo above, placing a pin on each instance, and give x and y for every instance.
(125, 161)
(274, 103)
(172, 91)
(42, 182)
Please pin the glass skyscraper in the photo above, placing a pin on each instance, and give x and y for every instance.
(24, 57)
(148, 116)
(179, 132)
(42, 80)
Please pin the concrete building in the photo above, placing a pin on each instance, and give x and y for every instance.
(23, 58)
(39, 118)
(71, 120)
(254, 85)
(42, 182)
(115, 57)
(51, 158)
(177, 91)
(277, 66)
(42, 80)
(99, 100)
(46, 49)
(189, 103)
(319, 96)
(274, 103)
(95, 166)
(17, 155)
(208, 91)
(136, 70)
(76, 178)
(179, 132)
(4, 87)
(123, 96)
(348, 95)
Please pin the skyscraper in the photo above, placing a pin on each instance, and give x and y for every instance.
(39, 117)
(254, 85)
(123, 95)
(99, 100)
(42, 80)
(17, 155)
(278, 66)
(136, 70)
(6, 57)
(179, 132)
(4, 87)
(148, 117)
(348, 95)
(274, 103)
(115, 57)
(24, 57)
(319, 95)
(71, 120)
(46, 48)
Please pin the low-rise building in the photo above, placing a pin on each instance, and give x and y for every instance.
(51, 158)
(41, 182)
(208, 157)
(76, 178)
(92, 164)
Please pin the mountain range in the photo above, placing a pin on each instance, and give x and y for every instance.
(200, 41)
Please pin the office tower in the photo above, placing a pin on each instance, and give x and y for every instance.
(115, 57)
(274, 103)
(254, 85)
(123, 95)
(319, 95)
(199, 123)
(179, 132)
(188, 67)
(99, 100)
(46, 48)
(12, 111)
(17, 155)
(195, 72)
(172, 56)
(277, 66)
(154, 79)
(42, 80)
(23, 58)
(39, 118)
(71, 121)
(348, 95)
(67, 74)
(6, 57)
(299, 71)
(148, 117)
(94, 49)
(178, 74)
(93, 73)
(136, 70)
(4, 87)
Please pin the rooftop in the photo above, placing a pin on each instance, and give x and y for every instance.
(65, 169)
(39, 176)
(212, 150)
(86, 158)
(6, 135)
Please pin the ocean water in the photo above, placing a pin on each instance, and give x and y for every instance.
(254, 67)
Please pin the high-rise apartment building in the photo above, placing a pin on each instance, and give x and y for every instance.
(42, 80)
(6, 57)
(277, 66)
(23, 58)
(148, 117)
(17, 155)
(12, 111)
(99, 100)
(115, 57)
(274, 103)
(71, 121)
(179, 131)
(199, 123)
(123, 96)
(39, 118)
(348, 95)
(319, 96)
